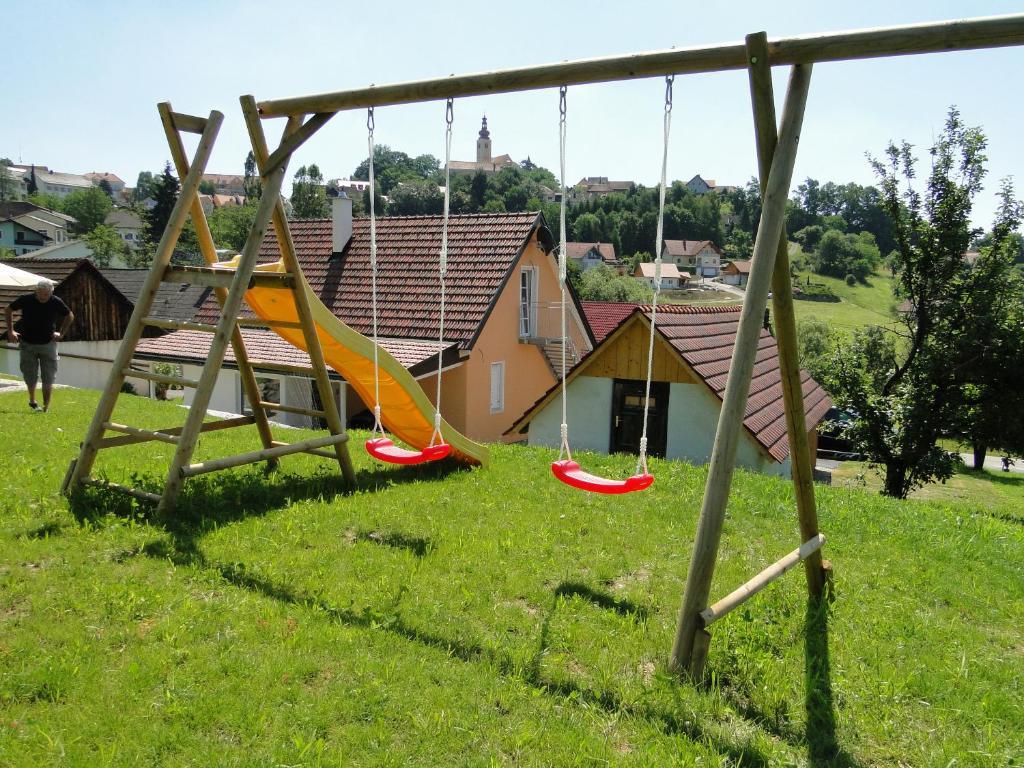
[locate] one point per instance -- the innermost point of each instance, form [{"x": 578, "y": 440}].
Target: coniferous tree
[
  {"x": 165, "y": 194},
  {"x": 252, "y": 184}
]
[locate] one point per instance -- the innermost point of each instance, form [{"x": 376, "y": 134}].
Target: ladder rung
[
  {"x": 160, "y": 378},
  {"x": 291, "y": 409},
  {"x": 141, "y": 495},
  {"x": 313, "y": 451},
  {"x": 267, "y": 365},
  {"x": 208, "y": 426},
  {"x": 218, "y": 277},
  {"x": 256, "y": 322},
  {"x": 188, "y": 123},
  {"x": 148, "y": 434},
  {"x": 178, "y": 325},
  {"x": 267, "y": 453}
]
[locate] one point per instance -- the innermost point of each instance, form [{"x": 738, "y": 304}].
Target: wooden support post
[
  {"x": 226, "y": 328},
  {"x": 135, "y": 327},
  {"x": 730, "y": 421},
  {"x": 763, "y": 101},
  {"x": 209, "y": 251},
  {"x": 279, "y": 449},
  {"x": 291, "y": 261},
  {"x": 748, "y": 589}
]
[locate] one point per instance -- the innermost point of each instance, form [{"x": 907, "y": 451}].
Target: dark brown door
[{"x": 628, "y": 417}]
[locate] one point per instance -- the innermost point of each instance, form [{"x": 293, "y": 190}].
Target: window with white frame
[
  {"x": 497, "y": 387},
  {"x": 527, "y": 302}
]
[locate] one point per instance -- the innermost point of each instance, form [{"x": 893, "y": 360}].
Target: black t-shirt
[{"x": 38, "y": 318}]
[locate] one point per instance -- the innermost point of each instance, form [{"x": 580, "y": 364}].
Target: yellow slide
[{"x": 405, "y": 410}]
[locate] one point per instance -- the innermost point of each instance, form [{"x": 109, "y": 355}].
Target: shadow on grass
[
  {"x": 1014, "y": 479},
  {"x": 622, "y": 607},
  {"x": 823, "y": 746},
  {"x": 470, "y": 652},
  {"x": 43, "y": 531},
  {"x": 417, "y": 545}
]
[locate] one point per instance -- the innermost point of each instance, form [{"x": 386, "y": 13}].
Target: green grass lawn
[
  {"x": 488, "y": 617},
  {"x": 858, "y": 305}
]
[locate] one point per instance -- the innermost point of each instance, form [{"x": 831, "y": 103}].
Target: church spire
[{"x": 484, "y": 133}]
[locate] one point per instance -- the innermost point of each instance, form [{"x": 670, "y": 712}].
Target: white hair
[{"x": 45, "y": 283}]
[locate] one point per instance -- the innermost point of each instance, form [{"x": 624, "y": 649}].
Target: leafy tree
[
  {"x": 991, "y": 344},
  {"x": 165, "y": 194},
  {"x": 309, "y": 195},
  {"x": 89, "y": 206},
  {"x": 207, "y": 188},
  {"x": 252, "y": 184},
  {"x": 144, "y": 185},
  {"x": 48, "y": 201},
  {"x": 840, "y": 255},
  {"x": 107, "y": 189},
  {"x": 587, "y": 229},
  {"x": 816, "y": 341},
  {"x": 905, "y": 397},
  {"x": 106, "y": 245},
  {"x": 230, "y": 225},
  {"x": 391, "y": 167},
  {"x": 415, "y": 198},
  {"x": 6, "y": 180},
  {"x": 478, "y": 191},
  {"x": 602, "y": 283}
]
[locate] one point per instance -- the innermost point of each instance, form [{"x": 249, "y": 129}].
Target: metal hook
[
  {"x": 369, "y": 119},
  {"x": 561, "y": 101},
  {"x": 449, "y": 112},
  {"x": 669, "y": 80}
]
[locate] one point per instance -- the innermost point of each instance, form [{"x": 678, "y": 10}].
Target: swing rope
[
  {"x": 563, "y": 451},
  {"x": 377, "y": 426},
  {"x": 442, "y": 264},
  {"x": 641, "y": 464}
]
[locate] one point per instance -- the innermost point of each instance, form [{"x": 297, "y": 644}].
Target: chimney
[{"x": 341, "y": 222}]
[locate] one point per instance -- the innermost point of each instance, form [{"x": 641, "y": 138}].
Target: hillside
[{"x": 489, "y": 617}]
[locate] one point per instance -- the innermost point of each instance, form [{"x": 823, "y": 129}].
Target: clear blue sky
[{"x": 83, "y": 94}]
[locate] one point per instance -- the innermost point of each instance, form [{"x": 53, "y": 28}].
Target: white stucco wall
[
  {"x": 74, "y": 369},
  {"x": 692, "y": 421},
  {"x": 589, "y": 417}
]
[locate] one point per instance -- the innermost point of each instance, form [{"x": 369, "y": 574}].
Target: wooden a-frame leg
[
  {"x": 219, "y": 342},
  {"x": 730, "y": 421},
  {"x": 209, "y": 252},
  {"x": 801, "y": 461},
  {"x": 189, "y": 188},
  {"x": 287, "y": 248}
]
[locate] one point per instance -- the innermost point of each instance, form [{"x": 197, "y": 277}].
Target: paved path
[{"x": 993, "y": 463}]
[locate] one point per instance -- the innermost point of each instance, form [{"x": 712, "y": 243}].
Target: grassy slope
[
  {"x": 480, "y": 618},
  {"x": 859, "y": 305}
]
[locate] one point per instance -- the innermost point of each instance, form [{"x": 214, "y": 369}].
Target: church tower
[{"x": 483, "y": 144}]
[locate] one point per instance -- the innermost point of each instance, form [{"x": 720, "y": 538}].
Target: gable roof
[
  {"x": 669, "y": 271},
  {"x": 703, "y": 338},
  {"x": 688, "y": 247},
  {"x": 482, "y": 250},
  {"x": 742, "y": 265},
  {"x": 124, "y": 218},
  {"x": 579, "y": 250},
  {"x": 172, "y": 302}
]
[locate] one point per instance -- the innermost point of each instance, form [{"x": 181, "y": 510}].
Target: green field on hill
[
  {"x": 478, "y": 618},
  {"x": 858, "y": 305}
]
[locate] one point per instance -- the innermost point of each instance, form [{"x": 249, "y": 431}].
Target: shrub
[{"x": 851, "y": 280}]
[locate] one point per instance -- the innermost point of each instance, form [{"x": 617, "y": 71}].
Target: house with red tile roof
[
  {"x": 692, "y": 355},
  {"x": 590, "y": 255},
  {"x": 502, "y": 326},
  {"x": 671, "y": 277},
  {"x": 697, "y": 257}
]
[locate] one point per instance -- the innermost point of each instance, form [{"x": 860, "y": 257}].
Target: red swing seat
[
  {"x": 385, "y": 450},
  {"x": 569, "y": 472}
]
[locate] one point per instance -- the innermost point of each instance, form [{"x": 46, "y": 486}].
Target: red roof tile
[{"x": 482, "y": 249}]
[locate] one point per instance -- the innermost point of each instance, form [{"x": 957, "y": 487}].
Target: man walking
[{"x": 37, "y": 334}]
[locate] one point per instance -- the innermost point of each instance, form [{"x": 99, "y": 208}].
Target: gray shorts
[{"x": 36, "y": 358}]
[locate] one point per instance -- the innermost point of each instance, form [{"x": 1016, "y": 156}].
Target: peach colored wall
[{"x": 527, "y": 373}]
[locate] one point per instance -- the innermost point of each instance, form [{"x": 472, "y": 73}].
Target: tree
[
  {"x": 106, "y": 245},
  {"x": 6, "y": 180},
  {"x": 391, "y": 167},
  {"x": 108, "y": 190},
  {"x": 32, "y": 188},
  {"x": 89, "y": 206},
  {"x": 48, "y": 201},
  {"x": 230, "y": 225},
  {"x": 252, "y": 184},
  {"x": 906, "y": 397},
  {"x": 165, "y": 194},
  {"x": 602, "y": 283},
  {"x": 816, "y": 341},
  {"x": 309, "y": 195},
  {"x": 415, "y": 198},
  {"x": 143, "y": 186},
  {"x": 587, "y": 229},
  {"x": 991, "y": 344},
  {"x": 207, "y": 188}
]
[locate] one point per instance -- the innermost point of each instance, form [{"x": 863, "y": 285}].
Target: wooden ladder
[{"x": 229, "y": 286}]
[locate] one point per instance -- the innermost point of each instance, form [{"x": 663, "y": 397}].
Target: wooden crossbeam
[
  {"x": 252, "y": 457},
  {"x": 217, "y": 277},
  {"x": 188, "y": 123},
  {"x": 208, "y": 426},
  {"x": 268, "y": 406},
  {"x": 295, "y": 140},
  {"x": 146, "y": 434},
  {"x": 161, "y": 378},
  {"x": 178, "y": 325}
]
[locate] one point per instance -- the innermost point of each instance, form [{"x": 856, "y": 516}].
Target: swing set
[{"x": 311, "y": 327}]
